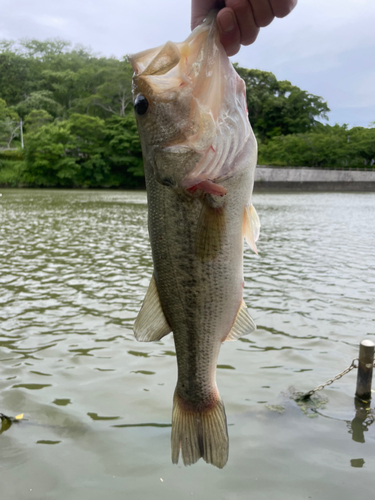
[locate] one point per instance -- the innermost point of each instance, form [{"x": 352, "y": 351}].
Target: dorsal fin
[
  {"x": 251, "y": 227},
  {"x": 151, "y": 323},
  {"x": 243, "y": 324}
]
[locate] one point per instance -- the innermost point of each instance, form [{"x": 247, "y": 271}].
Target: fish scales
[
  {"x": 189, "y": 104},
  {"x": 200, "y": 300}
]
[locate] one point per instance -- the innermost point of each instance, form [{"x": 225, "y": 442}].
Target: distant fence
[
  {"x": 315, "y": 179},
  {"x": 368, "y": 168}
]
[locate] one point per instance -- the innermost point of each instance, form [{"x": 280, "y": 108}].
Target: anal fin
[
  {"x": 243, "y": 324},
  {"x": 151, "y": 323}
]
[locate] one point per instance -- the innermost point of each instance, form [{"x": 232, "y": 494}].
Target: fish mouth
[
  {"x": 211, "y": 102},
  {"x": 176, "y": 65},
  {"x": 164, "y": 58}
]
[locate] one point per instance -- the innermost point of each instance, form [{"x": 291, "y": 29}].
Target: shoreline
[
  {"x": 275, "y": 179},
  {"x": 321, "y": 187},
  {"x": 313, "y": 179}
]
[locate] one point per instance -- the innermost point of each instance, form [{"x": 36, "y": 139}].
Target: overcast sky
[{"x": 326, "y": 47}]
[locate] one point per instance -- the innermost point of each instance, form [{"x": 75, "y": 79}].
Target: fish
[{"x": 199, "y": 154}]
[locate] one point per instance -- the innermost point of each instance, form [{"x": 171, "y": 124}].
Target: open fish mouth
[{"x": 198, "y": 102}]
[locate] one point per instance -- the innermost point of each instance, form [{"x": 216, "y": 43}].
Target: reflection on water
[
  {"x": 74, "y": 268},
  {"x": 364, "y": 417}
]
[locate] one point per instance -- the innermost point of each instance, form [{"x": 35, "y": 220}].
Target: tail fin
[{"x": 199, "y": 434}]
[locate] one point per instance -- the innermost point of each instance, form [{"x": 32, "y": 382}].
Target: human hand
[{"x": 239, "y": 21}]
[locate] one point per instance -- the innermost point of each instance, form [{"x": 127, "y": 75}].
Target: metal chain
[
  {"x": 307, "y": 395},
  {"x": 5, "y": 417}
]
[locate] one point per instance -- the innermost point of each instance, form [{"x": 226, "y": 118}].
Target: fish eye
[{"x": 141, "y": 105}]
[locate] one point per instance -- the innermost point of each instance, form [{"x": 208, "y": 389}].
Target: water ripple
[{"x": 75, "y": 267}]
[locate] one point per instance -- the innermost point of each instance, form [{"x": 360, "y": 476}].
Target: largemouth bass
[{"x": 200, "y": 156}]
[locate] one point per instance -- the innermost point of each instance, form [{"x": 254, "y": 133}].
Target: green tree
[
  {"x": 39, "y": 100},
  {"x": 328, "y": 146},
  {"x": 46, "y": 160},
  {"x": 63, "y": 85},
  {"x": 87, "y": 147},
  {"x": 9, "y": 125},
  {"x": 278, "y": 107},
  {"x": 84, "y": 151},
  {"x": 80, "y": 131},
  {"x": 36, "y": 119},
  {"x": 15, "y": 75},
  {"x": 124, "y": 151},
  {"x": 361, "y": 144},
  {"x": 112, "y": 92},
  {"x": 46, "y": 50}
]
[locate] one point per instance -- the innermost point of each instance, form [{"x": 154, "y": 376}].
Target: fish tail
[{"x": 199, "y": 434}]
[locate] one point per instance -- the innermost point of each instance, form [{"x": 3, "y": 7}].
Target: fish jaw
[
  {"x": 196, "y": 123},
  {"x": 209, "y": 188}
]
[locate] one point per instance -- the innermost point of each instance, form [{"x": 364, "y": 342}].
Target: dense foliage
[
  {"x": 79, "y": 128},
  {"x": 278, "y": 107},
  {"x": 325, "y": 146}
]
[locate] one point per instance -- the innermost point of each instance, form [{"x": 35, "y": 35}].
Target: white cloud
[{"x": 50, "y": 21}]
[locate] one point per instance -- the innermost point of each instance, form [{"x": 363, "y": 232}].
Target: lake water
[{"x": 74, "y": 268}]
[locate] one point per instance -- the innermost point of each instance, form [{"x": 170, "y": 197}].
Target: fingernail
[{"x": 227, "y": 22}]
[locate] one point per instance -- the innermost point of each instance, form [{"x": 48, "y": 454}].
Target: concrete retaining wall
[{"x": 314, "y": 179}]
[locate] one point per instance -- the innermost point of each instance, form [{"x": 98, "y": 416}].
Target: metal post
[
  {"x": 365, "y": 366},
  {"x": 21, "y": 129}
]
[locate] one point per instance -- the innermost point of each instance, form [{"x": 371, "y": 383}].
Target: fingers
[
  {"x": 230, "y": 35},
  {"x": 239, "y": 21},
  {"x": 282, "y": 8},
  {"x": 200, "y": 9},
  {"x": 263, "y": 13},
  {"x": 245, "y": 20}
]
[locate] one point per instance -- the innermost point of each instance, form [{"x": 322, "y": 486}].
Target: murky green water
[{"x": 74, "y": 267}]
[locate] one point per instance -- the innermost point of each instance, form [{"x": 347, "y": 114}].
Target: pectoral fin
[
  {"x": 251, "y": 227},
  {"x": 210, "y": 232},
  {"x": 151, "y": 323},
  {"x": 243, "y": 324}
]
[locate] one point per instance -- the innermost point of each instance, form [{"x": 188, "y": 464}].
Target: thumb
[{"x": 200, "y": 9}]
